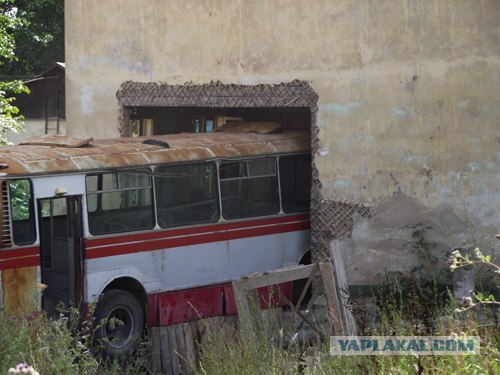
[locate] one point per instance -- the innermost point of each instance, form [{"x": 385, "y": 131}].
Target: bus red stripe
[
  {"x": 157, "y": 240},
  {"x": 199, "y": 229},
  {"x": 31, "y": 261},
  {"x": 18, "y": 252},
  {"x": 128, "y": 247}
]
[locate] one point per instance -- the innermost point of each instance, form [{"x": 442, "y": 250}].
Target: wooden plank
[
  {"x": 343, "y": 287},
  {"x": 306, "y": 286},
  {"x": 189, "y": 338},
  {"x": 174, "y": 358},
  {"x": 197, "y": 338},
  {"x": 166, "y": 354},
  {"x": 181, "y": 349},
  {"x": 247, "y": 302},
  {"x": 156, "y": 350},
  {"x": 278, "y": 276},
  {"x": 202, "y": 333},
  {"x": 332, "y": 297}
]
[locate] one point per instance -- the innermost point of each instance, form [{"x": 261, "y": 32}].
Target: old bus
[{"x": 152, "y": 230}]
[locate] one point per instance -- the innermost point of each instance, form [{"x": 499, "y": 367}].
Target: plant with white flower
[
  {"x": 24, "y": 369},
  {"x": 458, "y": 260}
]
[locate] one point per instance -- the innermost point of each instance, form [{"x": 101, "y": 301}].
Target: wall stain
[
  {"x": 400, "y": 112},
  {"x": 341, "y": 110}
]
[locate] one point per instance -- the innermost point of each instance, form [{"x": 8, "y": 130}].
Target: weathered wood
[
  {"x": 181, "y": 348},
  {"x": 178, "y": 346},
  {"x": 278, "y": 276},
  {"x": 250, "y": 322},
  {"x": 332, "y": 297},
  {"x": 189, "y": 338},
  {"x": 247, "y": 300},
  {"x": 200, "y": 331},
  {"x": 156, "y": 365},
  {"x": 166, "y": 353},
  {"x": 174, "y": 358},
  {"x": 343, "y": 287},
  {"x": 180, "y": 343},
  {"x": 306, "y": 286}
]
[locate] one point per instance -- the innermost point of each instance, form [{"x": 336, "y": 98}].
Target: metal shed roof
[{"x": 56, "y": 156}]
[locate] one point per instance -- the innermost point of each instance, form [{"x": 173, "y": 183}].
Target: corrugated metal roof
[{"x": 129, "y": 152}]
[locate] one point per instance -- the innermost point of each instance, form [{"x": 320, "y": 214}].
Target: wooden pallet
[{"x": 176, "y": 347}]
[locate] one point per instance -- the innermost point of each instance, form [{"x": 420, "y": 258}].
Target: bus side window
[
  {"x": 119, "y": 202},
  {"x": 21, "y": 206},
  {"x": 186, "y": 194},
  {"x": 295, "y": 182},
  {"x": 249, "y": 188}
]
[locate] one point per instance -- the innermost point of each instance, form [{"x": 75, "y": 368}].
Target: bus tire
[{"x": 119, "y": 323}]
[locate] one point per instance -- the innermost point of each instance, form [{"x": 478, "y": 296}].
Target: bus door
[{"x": 61, "y": 249}]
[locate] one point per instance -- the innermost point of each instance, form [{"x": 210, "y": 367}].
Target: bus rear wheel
[{"x": 119, "y": 321}]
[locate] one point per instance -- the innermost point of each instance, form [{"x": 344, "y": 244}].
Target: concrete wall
[
  {"x": 35, "y": 127},
  {"x": 408, "y": 110}
]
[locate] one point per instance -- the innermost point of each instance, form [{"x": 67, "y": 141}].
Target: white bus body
[{"x": 152, "y": 231}]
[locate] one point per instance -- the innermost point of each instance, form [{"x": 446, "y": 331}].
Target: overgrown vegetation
[
  {"x": 10, "y": 118},
  {"x": 39, "y": 37},
  {"x": 414, "y": 305},
  {"x": 61, "y": 346},
  {"x": 261, "y": 355},
  {"x": 405, "y": 308}
]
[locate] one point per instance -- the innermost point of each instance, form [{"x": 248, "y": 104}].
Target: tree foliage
[
  {"x": 10, "y": 119},
  {"x": 39, "y": 36}
]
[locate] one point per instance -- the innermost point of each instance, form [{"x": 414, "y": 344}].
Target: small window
[
  {"x": 295, "y": 181},
  {"x": 119, "y": 202},
  {"x": 53, "y": 207},
  {"x": 54, "y": 223},
  {"x": 21, "y": 205},
  {"x": 249, "y": 188},
  {"x": 186, "y": 194}
]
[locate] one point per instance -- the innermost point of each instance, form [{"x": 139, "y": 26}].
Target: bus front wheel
[{"x": 119, "y": 321}]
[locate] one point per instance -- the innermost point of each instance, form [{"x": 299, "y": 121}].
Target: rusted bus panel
[
  {"x": 19, "y": 290},
  {"x": 180, "y": 155},
  {"x": 242, "y": 149},
  {"x": 46, "y": 166},
  {"x": 287, "y": 146},
  {"x": 104, "y": 161},
  {"x": 130, "y": 152},
  {"x": 15, "y": 166},
  {"x": 58, "y": 140}
]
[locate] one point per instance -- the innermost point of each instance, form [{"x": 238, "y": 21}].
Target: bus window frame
[
  {"x": 154, "y": 172},
  {"x": 99, "y": 209},
  {"x": 247, "y": 177},
  {"x": 31, "y": 211},
  {"x": 215, "y": 172}
]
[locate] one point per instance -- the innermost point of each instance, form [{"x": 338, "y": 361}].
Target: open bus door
[{"x": 61, "y": 250}]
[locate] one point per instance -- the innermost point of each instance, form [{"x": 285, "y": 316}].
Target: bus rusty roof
[{"x": 58, "y": 154}]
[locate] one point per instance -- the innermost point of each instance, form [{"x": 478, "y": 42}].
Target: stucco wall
[
  {"x": 408, "y": 112},
  {"x": 35, "y": 127}
]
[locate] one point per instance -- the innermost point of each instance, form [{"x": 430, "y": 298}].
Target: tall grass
[
  {"x": 60, "y": 346},
  {"x": 426, "y": 314},
  {"x": 50, "y": 346}
]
